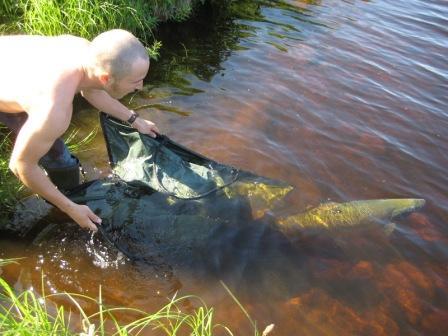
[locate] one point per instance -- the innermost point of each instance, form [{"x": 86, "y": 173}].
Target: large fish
[{"x": 338, "y": 215}]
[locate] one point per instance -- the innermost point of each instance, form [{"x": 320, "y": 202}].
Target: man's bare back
[
  {"x": 30, "y": 64},
  {"x": 40, "y": 76}
]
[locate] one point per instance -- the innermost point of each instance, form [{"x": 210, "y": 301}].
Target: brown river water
[{"x": 344, "y": 100}]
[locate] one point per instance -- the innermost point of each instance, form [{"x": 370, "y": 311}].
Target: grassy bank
[
  {"x": 88, "y": 18},
  {"x": 30, "y": 313}
]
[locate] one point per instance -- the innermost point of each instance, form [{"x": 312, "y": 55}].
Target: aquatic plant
[
  {"x": 30, "y": 313},
  {"x": 77, "y": 143}
]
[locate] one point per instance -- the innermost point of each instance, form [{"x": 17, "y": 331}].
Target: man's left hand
[{"x": 146, "y": 127}]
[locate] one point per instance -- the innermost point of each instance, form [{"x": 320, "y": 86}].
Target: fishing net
[{"x": 166, "y": 203}]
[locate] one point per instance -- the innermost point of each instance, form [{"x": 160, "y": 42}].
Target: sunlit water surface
[{"x": 344, "y": 100}]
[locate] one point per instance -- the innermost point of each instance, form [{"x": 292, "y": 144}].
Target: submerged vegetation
[{"x": 31, "y": 313}]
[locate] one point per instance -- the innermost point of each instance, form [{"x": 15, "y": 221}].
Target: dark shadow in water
[
  {"x": 201, "y": 45},
  {"x": 198, "y": 46}
]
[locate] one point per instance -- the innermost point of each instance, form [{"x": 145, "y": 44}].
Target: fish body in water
[{"x": 337, "y": 215}]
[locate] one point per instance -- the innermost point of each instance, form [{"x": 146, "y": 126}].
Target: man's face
[{"x": 130, "y": 82}]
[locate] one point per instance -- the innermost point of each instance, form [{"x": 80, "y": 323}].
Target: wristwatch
[{"x": 132, "y": 118}]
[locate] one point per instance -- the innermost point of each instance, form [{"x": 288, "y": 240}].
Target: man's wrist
[
  {"x": 133, "y": 117},
  {"x": 67, "y": 206}
]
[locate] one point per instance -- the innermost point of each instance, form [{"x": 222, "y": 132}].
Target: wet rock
[
  {"x": 363, "y": 270},
  {"x": 436, "y": 323},
  {"x": 351, "y": 284},
  {"x": 422, "y": 282},
  {"x": 441, "y": 280},
  {"x": 316, "y": 312},
  {"x": 407, "y": 288},
  {"x": 380, "y": 322},
  {"x": 330, "y": 270},
  {"x": 423, "y": 227},
  {"x": 316, "y": 309},
  {"x": 295, "y": 301},
  {"x": 234, "y": 316},
  {"x": 28, "y": 214}
]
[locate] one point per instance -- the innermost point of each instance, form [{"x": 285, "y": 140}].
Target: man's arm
[
  {"x": 104, "y": 102},
  {"x": 33, "y": 141}
]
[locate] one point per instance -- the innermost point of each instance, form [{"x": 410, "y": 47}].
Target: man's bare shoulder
[
  {"x": 54, "y": 49},
  {"x": 40, "y": 68},
  {"x": 72, "y": 40},
  {"x": 13, "y": 44}
]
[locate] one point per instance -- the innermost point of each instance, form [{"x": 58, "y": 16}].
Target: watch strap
[{"x": 132, "y": 118}]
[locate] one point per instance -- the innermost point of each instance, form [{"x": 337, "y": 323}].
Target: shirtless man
[{"x": 40, "y": 75}]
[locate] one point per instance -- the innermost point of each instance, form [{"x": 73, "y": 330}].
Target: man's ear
[{"x": 104, "y": 78}]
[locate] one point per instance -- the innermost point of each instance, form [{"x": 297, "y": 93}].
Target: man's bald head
[{"x": 115, "y": 51}]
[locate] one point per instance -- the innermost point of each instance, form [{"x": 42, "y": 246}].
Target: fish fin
[{"x": 389, "y": 228}]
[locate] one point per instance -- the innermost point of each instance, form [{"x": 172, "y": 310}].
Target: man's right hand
[
  {"x": 85, "y": 217},
  {"x": 46, "y": 122}
]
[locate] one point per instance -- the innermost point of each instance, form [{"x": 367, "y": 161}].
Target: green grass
[
  {"x": 85, "y": 18},
  {"x": 30, "y": 313},
  {"x": 88, "y": 18},
  {"x": 77, "y": 144},
  {"x": 10, "y": 185}
]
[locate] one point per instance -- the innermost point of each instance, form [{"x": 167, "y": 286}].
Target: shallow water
[{"x": 344, "y": 100}]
